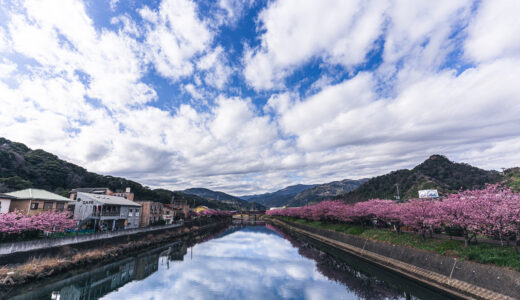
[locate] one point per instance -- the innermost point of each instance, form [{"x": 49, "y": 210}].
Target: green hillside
[
  {"x": 437, "y": 172},
  {"x": 22, "y": 167}
]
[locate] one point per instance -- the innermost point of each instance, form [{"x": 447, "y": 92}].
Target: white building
[
  {"x": 5, "y": 203},
  {"x": 106, "y": 212}
]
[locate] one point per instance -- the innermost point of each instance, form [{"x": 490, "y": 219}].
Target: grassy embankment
[{"x": 481, "y": 253}]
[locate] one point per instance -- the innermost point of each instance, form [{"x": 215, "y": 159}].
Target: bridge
[{"x": 252, "y": 215}]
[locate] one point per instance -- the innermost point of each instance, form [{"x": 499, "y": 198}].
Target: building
[
  {"x": 182, "y": 209},
  {"x": 151, "y": 212},
  {"x": 33, "y": 201},
  {"x": 200, "y": 208},
  {"x": 127, "y": 194},
  {"x": 168, "y": 213},
  {"x": 5, "y": 203},
  {"x": 105, "y": 212}
]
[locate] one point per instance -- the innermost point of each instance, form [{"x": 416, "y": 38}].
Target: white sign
[{"x": 428, "y": 194}]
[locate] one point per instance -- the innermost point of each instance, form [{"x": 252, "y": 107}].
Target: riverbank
[
  {"x": 70, "y": 258},
  {"x": 458, "y": 278},
  {"x": 483, "y": 253}
]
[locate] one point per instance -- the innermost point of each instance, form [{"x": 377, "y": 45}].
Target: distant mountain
[
  {"x": 324, "y": 191},
  {"x": 299, "y": 195},
  {"x": 280, "y": 197},
  {"x": 22, "y": 167},
  {"x": 224, "y": 198},
  {"x": 437, "y": 172}
]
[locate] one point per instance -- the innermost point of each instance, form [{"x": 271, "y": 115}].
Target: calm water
[{"x": 254, "y": 262}]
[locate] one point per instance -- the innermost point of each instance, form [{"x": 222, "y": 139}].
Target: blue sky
[{"x": 251, "y": 96}]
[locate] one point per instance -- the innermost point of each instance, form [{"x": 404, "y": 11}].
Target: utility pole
[
  {"x": 171, "y": 207},
  {"x": 397, "y": 197}
]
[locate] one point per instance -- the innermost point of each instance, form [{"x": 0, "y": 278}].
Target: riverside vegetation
[
  {"x": 482, "y": 252},
  {"x": 493, "y": 213}
]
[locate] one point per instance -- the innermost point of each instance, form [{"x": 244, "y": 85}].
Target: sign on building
[{"x": 428, "y": 194}]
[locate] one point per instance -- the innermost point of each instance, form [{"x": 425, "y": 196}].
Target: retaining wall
[
  {"x": 490, "y": 277},
  {"x": 20, "y": 252},
  {"x": 39, "y": 244}
]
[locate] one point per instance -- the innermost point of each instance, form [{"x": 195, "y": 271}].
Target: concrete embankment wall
[
  {"x": 19, "y": 252},
  {"x": 462, "y": 278}
]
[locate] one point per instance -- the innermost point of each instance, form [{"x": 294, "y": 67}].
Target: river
[{"x": 242, "y": 262}]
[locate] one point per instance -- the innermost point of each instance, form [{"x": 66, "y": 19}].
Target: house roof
[
  {"x": 37, "y": 194},
  {"x": 5, "y": 196},
  {"x": 90, "y": 190},
  {"x": 106, "y": 199}
]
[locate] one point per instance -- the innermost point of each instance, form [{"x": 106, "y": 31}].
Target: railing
[{"x": 106, "y": 214}]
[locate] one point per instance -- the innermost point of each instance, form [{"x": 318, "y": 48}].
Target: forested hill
[
  {"x": 437, "y": 172},
  {"x": 299, "y": 195},
  {"x": 223, "y": 197},
  {"x": 280, "y": 197},
  {"x": 22, "y": 167}
]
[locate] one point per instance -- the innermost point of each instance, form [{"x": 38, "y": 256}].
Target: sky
[{"x": 252, "y": 96}]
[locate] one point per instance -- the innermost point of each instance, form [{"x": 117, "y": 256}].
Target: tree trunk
[
  {"x": 466, "y": 239},
  {"x": 517, "y": 244}
]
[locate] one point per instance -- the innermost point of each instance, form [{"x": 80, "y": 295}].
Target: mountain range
[
  {"x": 298, "y": 195},
  {"x": 22, "y": 167},
  {"x": 224, "y": 198}
]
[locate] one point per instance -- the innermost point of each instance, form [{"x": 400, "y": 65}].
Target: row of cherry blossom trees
[
  {"x": 493, "y": 211},
  {"x": 17, "y": 222}
]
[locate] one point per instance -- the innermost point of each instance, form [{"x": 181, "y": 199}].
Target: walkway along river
[{"x": 242, "y": 262}]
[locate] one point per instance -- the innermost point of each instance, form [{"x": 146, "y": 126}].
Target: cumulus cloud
[
  {"x": 445, "y": 83},
  {"x": 175, "y": 35},
  {"x": 339, "y": 32},
  {"x": 494, "y": 31}
]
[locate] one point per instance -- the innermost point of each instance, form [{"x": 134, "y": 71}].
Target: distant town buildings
[
  {"x": 99, "y": 208},
  {"x": 200, "y": 208},
  {"x": 151, "y": 213},
  {"x": 181, "y": 209},
  {"x": 168, "y": 213}
]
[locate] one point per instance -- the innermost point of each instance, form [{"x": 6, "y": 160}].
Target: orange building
[{"x": 151, "y": 212}]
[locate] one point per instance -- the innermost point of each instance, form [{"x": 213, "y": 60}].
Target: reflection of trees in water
[
  {"x": 365, "y": 287},
  {"x": 97, "y": 283}
]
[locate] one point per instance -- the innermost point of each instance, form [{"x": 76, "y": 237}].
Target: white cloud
[
  {"x": 80, "y": 91},
  {"x": 175, "y": 36},
  {"x": 215, "y": 65},
  {"x": 232, "y": 10},
  {"x": 296, "y": 32},
  {"x": 7, "y": 68},
  {"x": 494, "y": 31}
]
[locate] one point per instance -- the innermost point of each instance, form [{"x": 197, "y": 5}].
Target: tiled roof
[
  {"x": 106, "y": 199},
  {"x": 37, "y": 194}
]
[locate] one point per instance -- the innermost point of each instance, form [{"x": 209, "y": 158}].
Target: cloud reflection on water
[{"x": 242, "y": 265}]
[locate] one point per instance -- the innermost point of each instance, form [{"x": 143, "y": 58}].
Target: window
[
  {"x": 34, "y": 205},
  {"x": 47, "y": 206},
  {"x": 137, "y": 212},
  {"x": 130, "y": 212},
  {"x": 60, "y": 206}
]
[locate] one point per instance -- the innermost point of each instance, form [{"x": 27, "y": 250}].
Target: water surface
[{"x": 251, "y": 262}]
